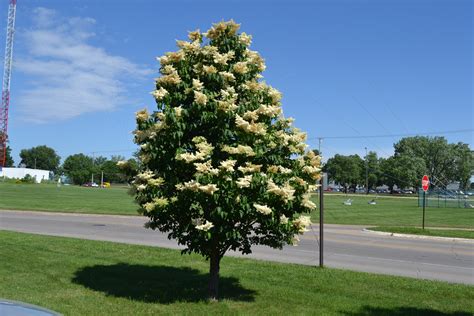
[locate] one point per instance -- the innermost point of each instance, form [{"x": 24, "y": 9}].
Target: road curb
[
  {"x": 76, "y": 214},
  {"x": 466, "y": 240}
]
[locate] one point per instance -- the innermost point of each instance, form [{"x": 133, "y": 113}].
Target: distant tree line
[
  {"x": 414, "y": 156},
  {"x": 79, "y": 168}
]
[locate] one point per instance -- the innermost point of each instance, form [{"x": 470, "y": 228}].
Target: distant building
[{"x": 20, "y": 173}]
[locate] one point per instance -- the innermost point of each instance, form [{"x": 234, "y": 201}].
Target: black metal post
[
  {"x": 321, "y": 223},
  {"x": 424, "y": 202}
]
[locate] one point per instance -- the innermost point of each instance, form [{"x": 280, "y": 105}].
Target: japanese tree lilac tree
[{"x": 220, "y": 167}]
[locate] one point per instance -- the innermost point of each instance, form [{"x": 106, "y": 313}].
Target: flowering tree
[{"x": 221, "y": 168}]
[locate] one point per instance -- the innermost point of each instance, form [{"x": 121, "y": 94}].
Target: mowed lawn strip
[
  {"x": 82, "y": 277},
  {"x": 456, "y": 233},
  {"x": 389, "y": 210},
  {"x": 72, "y": 199}
]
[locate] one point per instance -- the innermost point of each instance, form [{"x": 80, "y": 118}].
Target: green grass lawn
[
  {"x": 81, "y": 277},
  {"x": 389, "y": 211},
  {"x": 75, "y": 199},
  {"x": 458, "y": 233}
]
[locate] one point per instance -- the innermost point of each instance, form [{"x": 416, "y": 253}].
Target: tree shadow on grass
[
  {"x": 402, "y": 311},
  {"x": 157, "y": 284}
]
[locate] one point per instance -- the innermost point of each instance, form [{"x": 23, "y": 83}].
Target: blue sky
[{"x": 345, "y": 68}]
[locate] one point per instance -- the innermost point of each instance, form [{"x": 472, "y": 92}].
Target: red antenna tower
[{"x": 7, "y": 74}]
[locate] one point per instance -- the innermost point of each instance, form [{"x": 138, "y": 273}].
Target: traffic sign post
[{"x": 425, "y": 184}]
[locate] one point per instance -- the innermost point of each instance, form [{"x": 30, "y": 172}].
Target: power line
[
  {"x": 111, "y": 151},
  {"x": 371, "y": 84},
  {"x": 372, "y": 116},
  {"x": 356, "y": 131},
  {"x": 459, "y": 131}
]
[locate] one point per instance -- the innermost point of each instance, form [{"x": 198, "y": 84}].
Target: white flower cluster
[
  {"x": 200, "y": 98},
  {"x": 301, "y": 223},
  {"x": 254, "y": 58},
  {"x": 222, "y": 59},
  {"x": 157, "y": 202},
  {"x": 311, "y": 163},
  {"x": 241, "y": 68},
  {"x": 142, "y": 115},
  {"x": 227, "y": 76},
  {"x": 196, "y": 186},
  {"x": 264, "y": 209},
  {"x": 146, "y": 179},
  {"x": 159, "y": 94},
  {"x": 209, "y": 70},
  {"x": 171, "y": 78},
  {"x": 244, "y": 182},
  {"x": 197, "y": 85},
  {"x": 228, "y": 99},
  {"x": 228, "y": 165},
  {"x": 249, "y": 167},
  {"x": 204, "y": 150},
  {"x": 171, "y": 57},
  {"x": 239, "y": 150},
  {"x": 189, "y": 47},
  {"x": 286, "y": 192},
  {"x": 245, "y": 39},
  {"x": 269, "y": 110},
  {"x": 178, "y": 111},
  {"x": 205, "y": 226},
  {"x": 307, "y": 202},
  {"x": 205, "y": 167},
  {"x": 221, "y": 28},
  {"x": 250, "y": 127}
]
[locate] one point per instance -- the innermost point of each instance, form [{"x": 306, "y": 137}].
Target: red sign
[{"x": 425, "y": 183}]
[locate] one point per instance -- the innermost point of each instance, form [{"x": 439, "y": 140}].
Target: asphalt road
[{"x": 347, "y": 247}]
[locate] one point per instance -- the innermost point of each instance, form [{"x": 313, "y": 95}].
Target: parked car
[{"x": 90, "y": 184}]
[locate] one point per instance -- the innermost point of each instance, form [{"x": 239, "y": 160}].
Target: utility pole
[
  {"x": 321, "y": 223},
  {"x": 93, "y": 165},
  {"x": 321, "y": 213},
  {"x": 320, "y": 139},
  {"x": 366, "y": 172}
]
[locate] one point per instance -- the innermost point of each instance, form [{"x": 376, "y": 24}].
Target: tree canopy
[
  {"x": 414, "y": 156},
  {"x": 40, "y": 157},
  {"x": 221, "y": 168},
  {"x": 346, "y": 170},
  {"x": 79, "y": 168},
  {"x": 444, "y": 162},
  {"x": 9, "y": 159}
]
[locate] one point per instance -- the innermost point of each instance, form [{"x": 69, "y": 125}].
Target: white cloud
[{"x": 67, "y": 75}]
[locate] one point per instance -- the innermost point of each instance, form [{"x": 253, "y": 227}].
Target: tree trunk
[{"x": 214, "y": 276}]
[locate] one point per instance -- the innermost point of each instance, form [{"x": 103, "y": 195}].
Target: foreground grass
[
  {"x": 426, "y": 232},
  {"x": 389, "y": 211},
  {"x": 74, "y": 199},
  {"x": 80, "y": 277}
]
